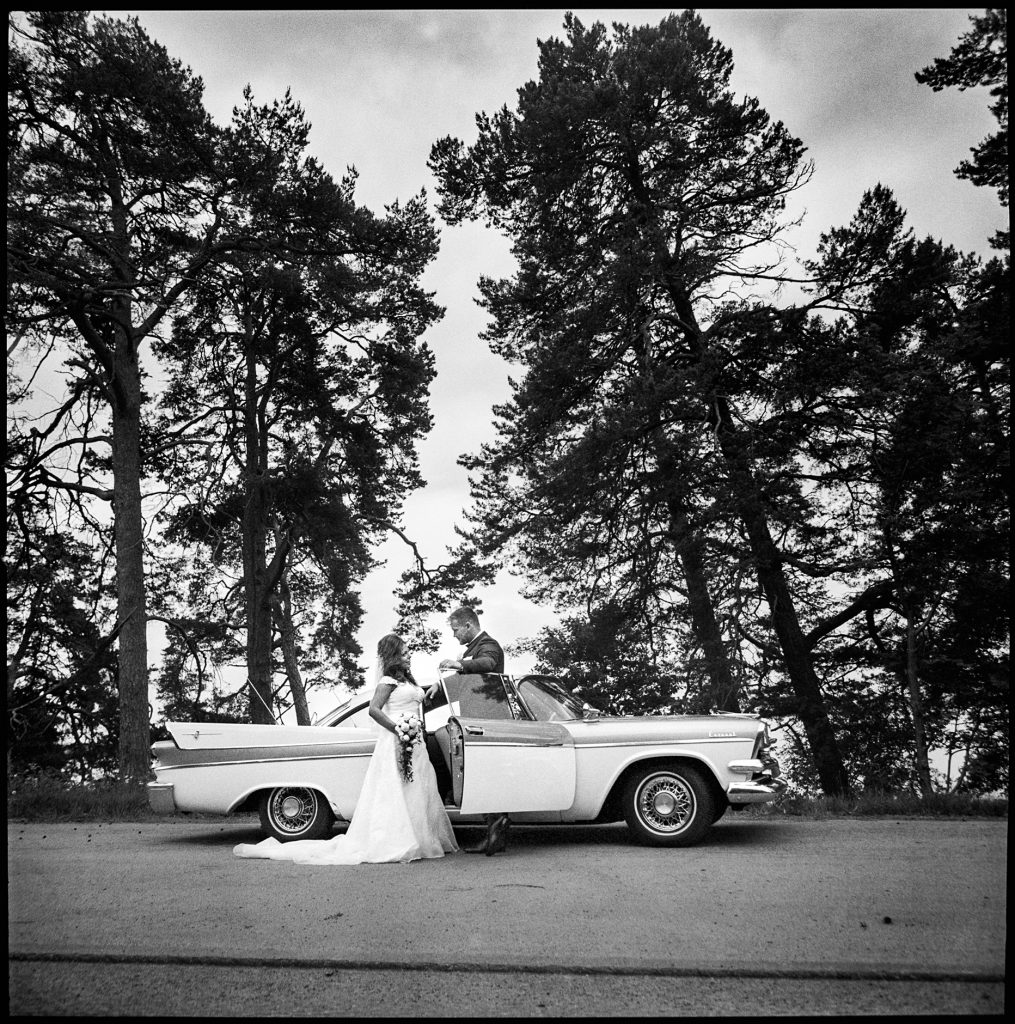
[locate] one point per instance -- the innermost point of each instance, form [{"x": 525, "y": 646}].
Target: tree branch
[
  {"x": 49, "y": 480},
  {"x": 871, "y": 599}
]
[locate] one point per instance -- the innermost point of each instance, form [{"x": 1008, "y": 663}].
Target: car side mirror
[{"x": 589, "y": 713}]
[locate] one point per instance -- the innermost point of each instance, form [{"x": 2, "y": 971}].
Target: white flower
[{"x": 407, "y": 732}]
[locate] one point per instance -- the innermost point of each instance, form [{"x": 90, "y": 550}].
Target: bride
[{"x": 394, "y": 819}]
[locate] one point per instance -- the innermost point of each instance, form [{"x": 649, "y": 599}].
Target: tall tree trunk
[
  {"x": 810, "y": 704},
  {"x": 723, "y": 690},
  {"x": 258, "y": 608},
  {"x": 910, "y": 676},
  {"x": 796, "y": 652},
  {"x": 256, "y": 588},
  {"x": 131, "y": 610},
  {"x": 916, "y": 710},
  {"x": 282, "y": 607}
]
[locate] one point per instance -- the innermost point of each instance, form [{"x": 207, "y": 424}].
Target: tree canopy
[
  {"x": 744, "y": 485},
  {"x": 304, "y": 377},
  {"x": 677, "y": 442},
  {"x": 133, "y": 218}
]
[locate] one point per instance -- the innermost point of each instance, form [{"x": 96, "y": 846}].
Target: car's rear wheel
[
  {"x": 668, "y": 805},
  {"x": 295, "y": 812}
]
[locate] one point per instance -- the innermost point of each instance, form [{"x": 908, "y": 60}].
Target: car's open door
[
  {"x": 502, "y": 766},
  {"x": 499, "y": 759}
]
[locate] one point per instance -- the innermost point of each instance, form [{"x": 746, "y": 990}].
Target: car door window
[{"x": 479, "y": 696}]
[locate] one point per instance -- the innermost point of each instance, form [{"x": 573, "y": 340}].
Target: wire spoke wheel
[
  {"x": 669, "y": 805},
  {"x": 295, "y": 812},
  {"x": 666, "y": 803}
]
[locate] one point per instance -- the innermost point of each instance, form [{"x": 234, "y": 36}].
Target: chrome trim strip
[
  {"x": 474, "y": 741},
  {"x": 276, "y": 746},
  {"x": 659, "y": 742},
  {"x": 259, "y": 760}
]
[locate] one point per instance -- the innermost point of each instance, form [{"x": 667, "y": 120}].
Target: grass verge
[
  {"x": 885, "y": 805},
  {"x": 48, "y": 797}
]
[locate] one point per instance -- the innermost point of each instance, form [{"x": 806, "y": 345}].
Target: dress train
[{"x": 394, "y": 820}]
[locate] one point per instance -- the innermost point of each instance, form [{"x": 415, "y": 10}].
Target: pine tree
[
  {"x": 636, "y": 190},
  {"x": 114, "y": 211},
  {"x": 304, "y": 377}
]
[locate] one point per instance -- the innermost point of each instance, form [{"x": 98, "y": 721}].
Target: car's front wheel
[
  {"x": 722, "y": 805},
  {"x": 668, "y": 805},
  {"x": 294, "y": 812}
]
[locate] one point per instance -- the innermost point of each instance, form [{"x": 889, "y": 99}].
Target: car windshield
[
  {"x": 332, "y": 717},
  {"x": 548, "y": 700}
]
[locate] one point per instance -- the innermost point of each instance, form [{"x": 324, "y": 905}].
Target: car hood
[{"x": 668, "y": 727}]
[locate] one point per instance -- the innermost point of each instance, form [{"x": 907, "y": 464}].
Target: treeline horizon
[{"x": 735, "y": 502}]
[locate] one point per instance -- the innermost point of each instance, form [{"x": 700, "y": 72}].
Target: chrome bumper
[
  {"x": 754, "y": 792},
  {"x": 762, "y": 785},
  {"x": 160, "y": 797}
]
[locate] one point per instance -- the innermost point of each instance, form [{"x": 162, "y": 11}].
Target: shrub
[
  {"x": 882, "y": 804},
  {"x": 50, "y": 796}
]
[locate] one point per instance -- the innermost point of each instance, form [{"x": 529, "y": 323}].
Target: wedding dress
[{"x": 393, "y": 820}]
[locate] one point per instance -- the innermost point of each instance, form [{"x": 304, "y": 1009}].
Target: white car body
[{"x": 522, "y": 747}]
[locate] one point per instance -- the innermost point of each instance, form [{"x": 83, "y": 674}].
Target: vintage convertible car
[{"x": 525, "y": 746}]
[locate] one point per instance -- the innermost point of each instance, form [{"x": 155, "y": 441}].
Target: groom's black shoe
[
  {"x": 480, "y": 847},
  {"x": 497, "y": 836}
]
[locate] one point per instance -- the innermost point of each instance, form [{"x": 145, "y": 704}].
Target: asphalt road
[{"x": 766, "y": 917}]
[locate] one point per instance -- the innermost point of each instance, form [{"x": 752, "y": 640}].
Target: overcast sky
[{"x": 379, "y": 87}]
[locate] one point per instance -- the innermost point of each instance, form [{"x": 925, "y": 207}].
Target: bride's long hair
[{"x": 393, "y": 658}]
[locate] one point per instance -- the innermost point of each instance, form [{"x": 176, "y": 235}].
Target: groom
[{"x": 482, "y": 654}]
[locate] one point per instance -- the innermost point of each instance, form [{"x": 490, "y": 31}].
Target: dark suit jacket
[{"x": 484, "y": 654}]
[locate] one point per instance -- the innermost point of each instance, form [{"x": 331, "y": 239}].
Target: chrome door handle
[{"x": 474, "y": 730}]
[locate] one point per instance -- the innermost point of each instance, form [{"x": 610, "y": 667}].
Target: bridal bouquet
[{"x": 408, "y": 732}]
